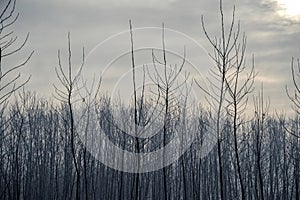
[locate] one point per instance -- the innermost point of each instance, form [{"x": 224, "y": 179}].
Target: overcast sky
[{"x": 273, "y": 35}]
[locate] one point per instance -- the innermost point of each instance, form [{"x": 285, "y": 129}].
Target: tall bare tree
[
  {"x": 10, "y": 81},
  {"x": 67, "y": 96},
  {"x": 294, "y": 97},
  {"x": 261, "y": 107},
  {"x": 228, "y": 57},
  {"x": 238, "y": 89},
  {"x": 10, "y": 75}
]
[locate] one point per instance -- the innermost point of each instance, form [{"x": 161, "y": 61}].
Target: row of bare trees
[{"x": 37, "y": 159}]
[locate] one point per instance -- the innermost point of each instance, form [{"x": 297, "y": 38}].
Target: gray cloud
[{"x": 273, "y": 39}]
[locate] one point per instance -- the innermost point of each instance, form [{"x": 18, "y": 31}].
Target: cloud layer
[{"x": 272, "y": 38}]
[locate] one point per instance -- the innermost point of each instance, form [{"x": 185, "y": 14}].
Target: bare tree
[
  {"x": 228, "y": 57},
  {"x": 295, "y": 70},
  {"x": 9, "y": 75},
  {"x": 261, "y": 107},
  {"x": 168, "y": 86},
  {"x": 10, "y": 81},
  {"x": 136, "y": 122},
  {"x": 238, "y": 89},
  {"x": 294, "y": 130},
  {"x": 67, "y": 96}
]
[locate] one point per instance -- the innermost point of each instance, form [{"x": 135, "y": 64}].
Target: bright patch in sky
[{"x": 290, "y": 8}]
